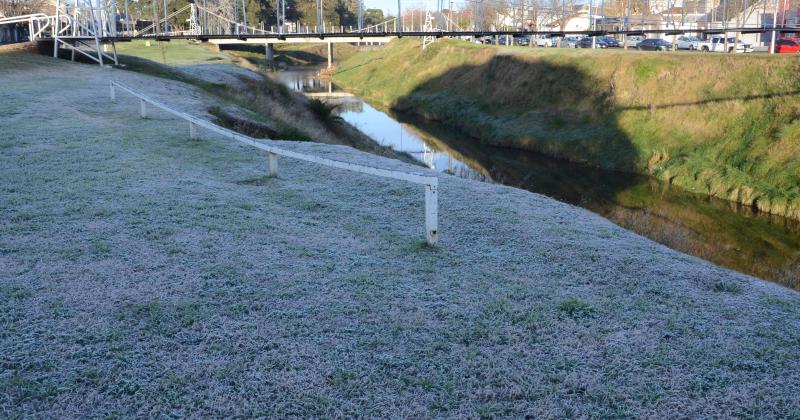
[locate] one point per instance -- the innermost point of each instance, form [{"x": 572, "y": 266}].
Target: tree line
[{"x": 262, "y": 12}]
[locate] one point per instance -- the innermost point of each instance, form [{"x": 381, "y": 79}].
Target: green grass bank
[
  {"x": 247, "y": 100},
  {"x": 723, "y": 125},
  {"x": 145, "y": 274}
]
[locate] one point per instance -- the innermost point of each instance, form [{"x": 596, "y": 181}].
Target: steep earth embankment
[
  {"x": 247, "y": 100},
  {"x": 725, "y": 125}
]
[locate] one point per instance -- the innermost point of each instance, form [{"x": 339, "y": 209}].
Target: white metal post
[
  {"x": 431, "y": 184},
  {"x": 273, "y": 164},
  {"x": 431, "y": 212},
  {"x": 113, "y": 92},
  {"x": 56, "y": 28},
  {"x": 591, "y": 24},
  {"x": 192, "y": 131}
]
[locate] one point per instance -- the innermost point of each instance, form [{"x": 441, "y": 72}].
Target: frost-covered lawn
[{"x": 145, "y": 274}]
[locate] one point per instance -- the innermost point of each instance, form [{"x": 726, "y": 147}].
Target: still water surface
[{"x": 722, "y": 232}]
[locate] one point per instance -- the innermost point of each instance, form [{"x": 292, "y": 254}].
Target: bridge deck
[{"x": 386, "y": 35}]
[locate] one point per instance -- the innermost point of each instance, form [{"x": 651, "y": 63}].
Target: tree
[
  {"x": 24, "y": 7},
  {"x": 373, "y": 17}
]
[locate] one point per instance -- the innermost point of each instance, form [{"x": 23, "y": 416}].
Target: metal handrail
[{"x": 431, "y": 183}]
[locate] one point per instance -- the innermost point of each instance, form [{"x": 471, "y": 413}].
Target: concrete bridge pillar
[
  {"x": 269, "y": 50},
  {"x": 330, "y": 54}
]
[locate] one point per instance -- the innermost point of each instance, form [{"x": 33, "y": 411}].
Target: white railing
[
  {"x": 431, "y": 183},
  {"x": 385, "y": 25},
  {"x": 37, "y": 23},
  {"x": 22, "y": 18}
]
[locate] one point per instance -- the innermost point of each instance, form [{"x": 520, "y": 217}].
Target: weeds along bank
[
  {"x": 720, "y": 124},
  {"x": 247, "y": 101}
]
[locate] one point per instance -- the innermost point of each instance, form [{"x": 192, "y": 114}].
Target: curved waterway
[{"x": 725, "y": 233}]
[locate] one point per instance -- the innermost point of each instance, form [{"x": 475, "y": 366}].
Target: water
[{"x": 720, "y": 231}]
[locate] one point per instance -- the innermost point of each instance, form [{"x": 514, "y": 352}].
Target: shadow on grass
[
  {"x": 566, "y": 113},
  {"x": 732, "y": 235},
  {"x": 712, "y": 101}
]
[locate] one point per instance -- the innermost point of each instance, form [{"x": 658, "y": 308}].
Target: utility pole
[
  {"x": 319, "y": 16},
  {"x": 774, "y": 26},
  {"x": 360, "y": 15},
  {"x": 642, "y": 13},
  {"x": 155, "y": 17},
  {"x": 627, "y": 23},
  {"x": 450, "y": 19},
  {"x": 602, "y": 12},
  {"x": 725, "y": 24},
  {"x": 126, "y": 27},
  {"x": 244, "y": 15},
  {"x": 236, "y": 17},
  {"x": 166, "y": 24},
  {"x": 278, "y": 16},
  {"x": 591, "y": 24},
  {"x": 397, "y": 27}
]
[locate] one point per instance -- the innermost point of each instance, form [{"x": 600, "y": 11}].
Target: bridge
[{"x": 91, "y": 28}]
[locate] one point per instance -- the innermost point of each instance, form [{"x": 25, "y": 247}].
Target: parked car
[
  {"x": 544, "y": 41},
  {"x": 523, "y": 40},
  {"x": 599, "y": 42},
  {"x": 688, "y": 43},
  {"x": 717, "y": 44},
  {"x": 634, "y": 40},
  {"x": 585, "y": 42},
  {"x": 506, "y": 40},
  {"x": 654, "y": 44},
  {"x": 610, "y": 42},
  {"x": 570, "y": 42},
  {"x": 787, "y": 46}
]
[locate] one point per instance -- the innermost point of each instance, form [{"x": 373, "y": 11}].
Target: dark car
[
  {"x": 610, "y": 42},
  {"x": 599, "y": 42},
  {"x": 523, "y": 40},
  {"x": 587, "y": 43},
  {"x": 654, "y": 44}
]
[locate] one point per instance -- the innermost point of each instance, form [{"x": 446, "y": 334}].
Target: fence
[{"x": 431, "y": 183}]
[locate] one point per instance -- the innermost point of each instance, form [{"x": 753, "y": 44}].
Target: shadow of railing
[{"x": 708, "y": 101}]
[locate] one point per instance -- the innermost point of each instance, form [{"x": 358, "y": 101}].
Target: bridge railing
[
  {"x": 431, "y": 183},
  {"x": 38, "y": 24}
]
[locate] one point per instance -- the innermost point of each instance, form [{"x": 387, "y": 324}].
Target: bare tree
[{"x": 24, "y": 7}]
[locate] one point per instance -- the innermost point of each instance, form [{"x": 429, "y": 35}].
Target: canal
[{"x": 725, "y": 233}]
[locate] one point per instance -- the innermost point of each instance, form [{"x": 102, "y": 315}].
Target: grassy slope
[
  {"x": 294, "y": 54},
  {"x": 709, "y": 123},
  {"x": 263, "y": 100},
  {"x": 145, "y": 273},
  {"x": 175, "y": 53}
]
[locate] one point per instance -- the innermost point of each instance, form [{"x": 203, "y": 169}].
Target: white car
[
  {"x": 544, "y": 41},
  {"x": 570, "y": 42},
  {"x": 717, "y": 44},
  {"x": 634, "y": 40},
  {"x": 688, "y": 43}
]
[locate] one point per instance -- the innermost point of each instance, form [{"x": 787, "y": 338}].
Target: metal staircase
[{"x": 83, "y": 26}]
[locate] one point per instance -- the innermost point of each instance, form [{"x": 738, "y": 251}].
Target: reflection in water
[
  {"x": 720, "y": 231},
  {"x": 376, "y": 124}
]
